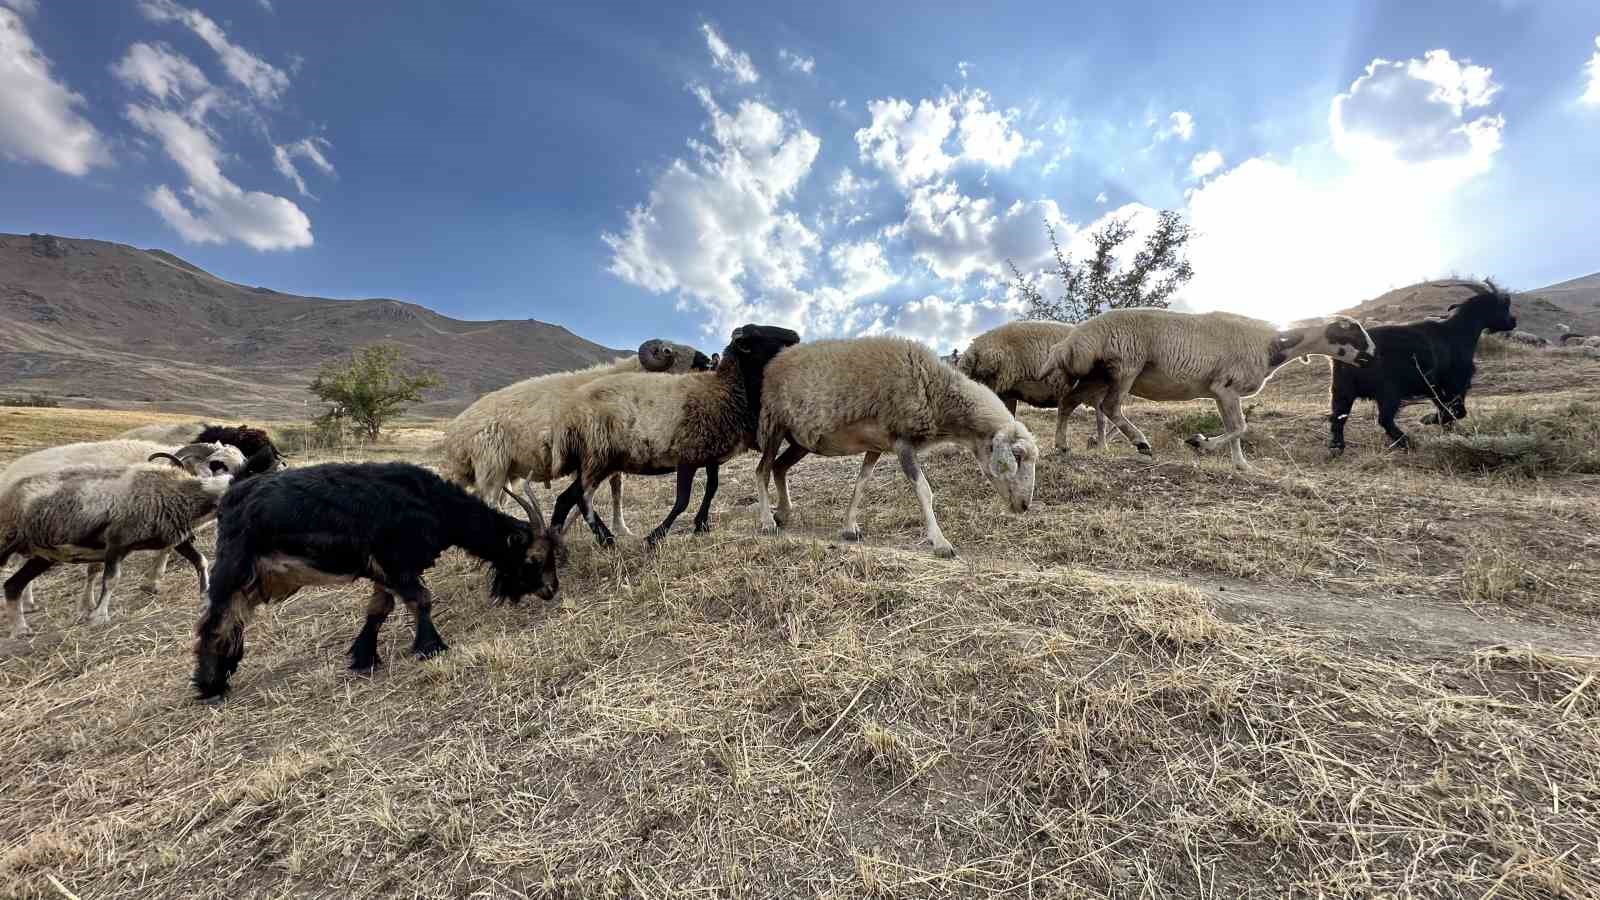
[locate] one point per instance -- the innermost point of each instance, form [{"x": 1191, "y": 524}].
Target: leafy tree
[
  {"x": 369, "y": 390},
  {"x": 1093, "y": 285}
]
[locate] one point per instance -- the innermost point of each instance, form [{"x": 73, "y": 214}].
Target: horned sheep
[
  {"x": 1009, "y": 359},
  {"x": 1159, "y": 354},
  {"x": 505, "y": 434},
  {"x": 337, "y": 522},
  {"x": 644, "y": 425},
  {"x": 880, "y": 395},
  {"x": 99, "y": 514}
]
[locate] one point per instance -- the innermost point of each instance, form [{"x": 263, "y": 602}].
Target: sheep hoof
[
  {"x": 944, "y": 551},
  {"x": 853, "y": 534},
  {"x": 769, "y": 528},
  {"x": 357, "y": 664},
  {"x": 97, "y": 618},
  {"x": 154, "y": 589},
  {"x": 21, "y": 631},
  {"x": 422, "y": 653},
  {"x": 1092, "y": 443},
  {"x": 781, "y": 516},
  {"x": 1335, "y": 451},
  {"x": 1145, "y": 450},
  {"x": 702, "y": 528},
  {"x": 30, "y": 606}
]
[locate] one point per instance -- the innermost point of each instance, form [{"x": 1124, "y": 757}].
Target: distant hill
[
  {"x": 108, "y": 325},
  {"x": 1575, "y": 303}
]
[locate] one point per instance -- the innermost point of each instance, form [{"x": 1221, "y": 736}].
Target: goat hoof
[
  {"x": 781, "y": 516},
  {"x": 1144, "y": 449},
  {"x": 770, "y": 529},
  {"x": 853, "y": 534},
  {"x": 1092, "y": 444},
  {"x": 702, "y": 528},
  {"x": 358, "y": 664},
  {"x": 422, "y": 653},
  {"x": 944, "y": 551},
  {"x": 1335, "y": 451}
]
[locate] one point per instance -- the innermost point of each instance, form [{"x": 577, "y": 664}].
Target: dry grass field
[{"x": 1374, "y": 677}]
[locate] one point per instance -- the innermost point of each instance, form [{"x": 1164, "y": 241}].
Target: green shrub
[
  {"x": 1552, "y": 442},
  {"x": 40, "y": 401}
]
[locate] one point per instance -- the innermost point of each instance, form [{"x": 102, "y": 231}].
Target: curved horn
[
  {"x": 529, "y": 506},
  {"x": 655, "y": 355},
  {"x": 164, "y": 455}
]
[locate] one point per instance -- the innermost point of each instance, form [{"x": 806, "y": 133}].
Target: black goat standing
[
  {"x": 334, "y": 523},
  {"x": 1429, "y": 360},
  {"x": 254, "y": 443}
]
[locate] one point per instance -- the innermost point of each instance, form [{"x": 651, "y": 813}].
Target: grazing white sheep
[
  {"x": 98, "y": 514},
  {"x": 1526, "y": 337},
  {"x": 1158, "y": 354},
  {"x": 1009, "y": 359},
  {"x": 880, "y": 395},
  {"x": 505, "y": 434}
]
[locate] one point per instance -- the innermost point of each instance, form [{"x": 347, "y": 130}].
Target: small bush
[
  {"x": 1561, "y": 441},
  {"x": 39, "y": 401},
  {"x": 1208, "y": 423},
  {"x": 319, "y": 435},
  {"x": 1495, "y": 346}
]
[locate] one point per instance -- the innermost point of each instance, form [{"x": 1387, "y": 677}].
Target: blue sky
[{"x": 840, "y": 167}]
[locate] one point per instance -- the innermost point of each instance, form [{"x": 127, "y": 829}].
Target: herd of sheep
[{"x": 668, "y": 410}]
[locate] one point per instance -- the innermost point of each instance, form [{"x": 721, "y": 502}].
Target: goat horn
[{"x": 529, "y": 506}]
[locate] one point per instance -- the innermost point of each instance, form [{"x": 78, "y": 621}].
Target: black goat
[
  {"x": 1429, "y": 360},
  {"x": 254, "y": 443},
  {"x": 334, "y": 523}
]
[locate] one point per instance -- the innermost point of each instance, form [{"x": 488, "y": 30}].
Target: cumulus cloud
[
  {"x": 40, "y": 120},
  {"x": 1204, "y": 164},
  {"x": 909, "y": 142},
  {"x": 716, "y": 229},
  {"x": 1101, "y": 198},
  {"x": 943, "y": 324},
  {"x": 957, "y": 236},
  {"x": 309, "y": 149},
  {"x": 1419, "y": 111},
  {"x": 805, "y": 64},
  {"x": 735, "y": 62},
  {"x": 1591, "y": 93},
  {"x": 965, "y": 68},
  {"x": 160, "y": 71},
  {"x": 1180, "y": 125},
  {"x": 23, "y": 7},
  {"x": 263, "y": 80}
]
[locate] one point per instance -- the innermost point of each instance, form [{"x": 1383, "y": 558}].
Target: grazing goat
[
  {"x": 334, "y": 523},
  {"x": 879, "y": 395},
  {"x": 250, "y": 441},
  {"x": 505, "y": 434},
  {"x": 1009, "y": 360},
  {"x": 1427, "y": 360},
  {"x": 1158, "y": 354},
  {"x": 643, "y": 425},
  {"x": 99, "y": 514}
]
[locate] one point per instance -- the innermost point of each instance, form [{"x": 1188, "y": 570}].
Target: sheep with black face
[{"x": 335, "y": 523}]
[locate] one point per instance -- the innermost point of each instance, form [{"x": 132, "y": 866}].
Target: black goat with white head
[
  {"x": 1429, "y": 360},
  {"x": 334, "y": 523}
]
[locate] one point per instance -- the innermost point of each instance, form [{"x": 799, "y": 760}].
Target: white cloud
[
  {"x": 851, "y": 189},
  {"x": 1101, "y": 198},
  {"x": 1180, "y": 125},
  {"x": 806, "y": 64},
  {"x": 23, "y": 7},
  {"x": 263, "y": 80},
  {"x": 1416, "y": 112},
  {"x": 908, "y": 142},
  {"x": 310, "y": 149},
  {"x": 39, "y": 118},
  {"x": 1055, "y": 160},
  {"x": 1591, "y": 94},
  {"x": 957, "y": 236},
  {"x": 714, "y": 229},
  {"x": 218, "y": 210},
  {"x": 735, "y": 62},
  {"x": 1204, "y": 164},
  {"x": 160, "y": 71},
  {"x": 965, "y": 68},
  {"x": 944, "y": 324},
  {"x": 265, "y": 4}
]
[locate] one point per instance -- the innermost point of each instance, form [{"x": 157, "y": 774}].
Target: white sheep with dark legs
[
  {"x": 880, "y": 395},
  {"x": 505, "y": 435},
  {"x": 198, "y": 459},
  {"x": 644, "y": 425},
  {"x": 99, "y": 514},
  {"x": 1009, "y": 360},
  {"x": 1159, "y": 354}
]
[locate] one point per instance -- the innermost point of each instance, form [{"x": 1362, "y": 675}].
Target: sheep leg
[
  {"x": 18, "y": 581},
  {"x": 364, "y": 650},
  {"x": 618, "y": 526},
  {"x": 919, "y": 482},
  {"x": 680, "y": 502},
  {"x": 196, "y": 558},
  {"x": 852, "y": 531},
  {"x": 702, "y": 519},
  {"x": 91, "y": 577},
  {"x": 1011, "y": 405},
  {"x": 1388, "y": 408},
  {"x": 780, "y": 474},
  {"x": 1112, "y": 407},
  {"x": 158, "y": 569},
  {"x": 101, "y": 614},
  {"x": 419, "y": 600},
  {"x": 577, "y": 495},
  {"x": 1338, "y": 416},
  {"x": 769, "y": 450},
  {"x": 1233, "y": 421},
  {"x": 27, "y": 599},
  {"x": 1092, "y": 393}
]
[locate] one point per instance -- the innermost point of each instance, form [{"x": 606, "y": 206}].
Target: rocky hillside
[
  {"x": 1575, "y": 303},
  {"x": 108, "y": 325}
]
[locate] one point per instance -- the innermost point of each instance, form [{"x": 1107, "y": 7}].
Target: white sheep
[
  {"x": 505, "y": 434},
  {"x": 1158, "y": 354},
  {"x": 198, "y": 459},
  {"x": 1526, "y": 337},
  {"x": 879, "y": 395},
  {"x": 1009, "y": 359},
  {"x": 98, "y": 514}
]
